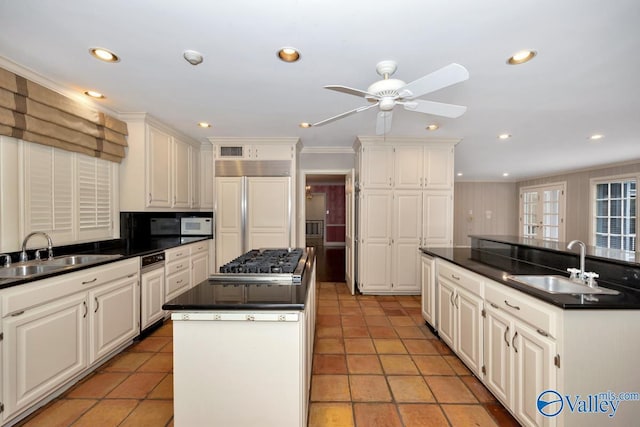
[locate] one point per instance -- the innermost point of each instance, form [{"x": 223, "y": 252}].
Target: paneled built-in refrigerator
[{"x": 253, "y": 207}]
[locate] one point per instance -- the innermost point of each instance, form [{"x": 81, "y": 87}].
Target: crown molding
[
  {"x": 327, "y": 150},
  {"x": 405, "y": 140},
  {"x": 253, "y": 140}
]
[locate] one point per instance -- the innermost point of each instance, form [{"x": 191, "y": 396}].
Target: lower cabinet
[
  {"x": 186, "y": 266},
  {"x": 199, "y": 262},
  {"x": 152, "y": 294},
  {"x": 427, "y": 277},
  {"x": 56, "y": 329}
]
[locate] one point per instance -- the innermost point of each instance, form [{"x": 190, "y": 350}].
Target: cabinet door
[
  {"x": 206, "y": 179},
  {"x": 428, "y": 289},
  {"x": 194, "y": 179},
  {"x": 375, "y": 257},
  {"x": 158, "y": 169},
  {"x": 152, "y": 294},
  {"x": 407, "y": 167},
  {"x": 377, "y": 166},
  {"x": 407, "y": 225},
  {"x": 534, "y": 372},
  {"x": 268, "y": 212},
  {"x": 446, "y": 312},
  {"x": 44, "y": 347},
  {"x": 228, "y": 219},
  {"x": 199, "y": 268},
  {"x": 177, "y": 283},
  {"x": 498, "y": 329},
  {"x": 437, "y": 213},
  {"x": 114, "y": 316},
  {"x": 270, "y": 151},
  {"x": 438, "y": 168},
  {"x": 469, "y": 329},
  {"x": 181, "y": 167}
]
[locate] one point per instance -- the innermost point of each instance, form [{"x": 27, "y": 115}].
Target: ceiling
[{"x": 584, "y": 79}]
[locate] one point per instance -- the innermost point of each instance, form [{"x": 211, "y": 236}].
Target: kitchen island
[{"x": 243, "y": 350}]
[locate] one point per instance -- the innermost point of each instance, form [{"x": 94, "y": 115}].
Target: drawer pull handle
[
  {"x": 178, "y": 266},
  {"x": 179, "y": 281},
  {"x": 455, "y": 277},
  {"x": 451, "y": 299},
  {"x": 86, "y": 310},
  {"x": 513, "y": 342},
  {"x": 179, "y": 254},
  {"x": 90, "y": 281},
  {"x": 456, "y": 299},
  {"x": 541, "y": 332},
  {"x": 97, "y": 304},
  {"x": 506, "y": 331},
  {"x": 494, "y": 305},
  {"x": 18, "y": 313},
  {"x": 512, "y": 306}
]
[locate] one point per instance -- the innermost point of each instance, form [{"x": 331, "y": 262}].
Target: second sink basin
[
  {"x": 559, "y": 285},
  {"x": 22, "y": 271}
]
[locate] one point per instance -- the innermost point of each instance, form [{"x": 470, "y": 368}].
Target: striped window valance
[{"x": 33, "y": 113}]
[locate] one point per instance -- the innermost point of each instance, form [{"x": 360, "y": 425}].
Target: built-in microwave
[{"x": 196, "y": 226}]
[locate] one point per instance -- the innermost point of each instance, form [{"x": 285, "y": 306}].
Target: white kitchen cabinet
[
  {"x": 152, "y": 294},
  {"x": 206, "y": 174},
  {"x": 428, "y": 279},
  {"x": 239, "y": 148},
  {"x": 437, "y": 214},
  {"x": 497, "y": 355},
  {"x": 427, "y": 167},
  {"x": 460, "y": 306},
  {"x": 158, "y": 171},
  {"x": 229, "y": 230},
  {"x": 375, "y": 241},
  {"x": 178, "y": 271},
  {"x": 199, "y": 262},
  {"x": 376, "y": 170},
  {"x": 407, "y": 225},
  {"x": 270, "y": 152},
  {"x": 114, "y": 316}
]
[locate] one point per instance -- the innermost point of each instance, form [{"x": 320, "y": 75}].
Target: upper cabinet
[
  {"x": 428, "y": 167},
  {"x": 162, "y": 170},
  {"x": 376, "y": 167},
  {"x": 238, "y": 149}
]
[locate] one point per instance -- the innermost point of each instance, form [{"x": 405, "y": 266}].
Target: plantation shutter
[{"x": 95, "y": 198}]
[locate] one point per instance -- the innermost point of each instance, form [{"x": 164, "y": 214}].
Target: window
[
  {"x": 542, "y": 212},
  {"x": 614, "y": 219}
]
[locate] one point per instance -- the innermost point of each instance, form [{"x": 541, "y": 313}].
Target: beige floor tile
[
  {"x": 351, "y": 311},
  {"x": 401, "y": 321},
  {"x": 457, "y": 365},
  {"x": 98, "y": 385},
  {"x": 409, "y": 332},
  {"x": 363, "y": 364},
  {"x": 107, "y": 413},
  {"x": 422, "y": 346},
  {"x": 382, "y": 332},
  {"x": 389, "y": 346},
  {"x": 369, "y": 388},
  {"x": 348, "y": 301},
  {"x": 410, "y": 388},
  {"x": 468, "y": 415},
  {"x": 432, "y": 365},
  {"x": 372, "y": 311},
  {"x": 127, "y": 362},
  {"x": 330, "y": 415},
  {"x": 330, "y": 388},
  {"x": 137, "y": 386},
  {"x": 328, "y": 310},
  {"x": 150, "y": 413},
  {"x": 329, "y": 364},
  {"x": 164, "y": 389},
  {"x": 355, "y": 332},
  {"x": 423, "y": 415},
  {"x": 60, "y": 413},
  {"x": 160, "y": 362},
  {"x": 376, "y": 415},
  {"x": 329, "y": 345},
  {"x": 450, "y": 390},
  {"x": 396, "y": 364},
  {"x": 352, "y": 320},
  {"x": 359, "y": 345},
  {"x": 328, "y": 320},
  {"x": 377, "y": 320},
  {"x": 329, "y": 332}
]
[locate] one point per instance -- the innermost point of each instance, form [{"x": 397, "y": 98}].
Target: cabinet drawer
[
  {"x": 461, "y": 277},
  {"x": 179, "y": 265},
  {"x": 39, "y": 292},
  {"x": 537, "y": 313},
  {"x": 198, "y": 247},
  {"x": 176, "y": 253},
  {"x": 177, "y": 281}
]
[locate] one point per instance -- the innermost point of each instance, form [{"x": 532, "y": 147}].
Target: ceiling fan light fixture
[
  {"x": 504, "y": 136},
  {"x": 521, "y": 57},
  {"x": 103, "y": 54},
  {"x": 289, "y": 54},
  {"x": 305, "y": 125},
  {"x": 94, "y": 94}
]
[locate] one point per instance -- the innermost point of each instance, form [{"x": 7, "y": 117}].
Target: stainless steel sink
[
  {"x": 24, "y": 271},
  {"x": 559, "y": 285},
  {"x": 35, "y": 268},
  {"x": 68, "y": 260}
]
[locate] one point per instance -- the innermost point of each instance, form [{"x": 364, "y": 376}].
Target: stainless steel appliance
[
  {"x": 152, "y": 290},
  {"x": 196, "y": 226},
  {"x": 265, "y": 265},
  {"x": 164, "y": 226}
]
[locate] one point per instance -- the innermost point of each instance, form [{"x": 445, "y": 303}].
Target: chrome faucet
[
  {"x": 23, "y": 254},
  {"x": 583, "y": 250},
  {"x": 586, "y": 278}
]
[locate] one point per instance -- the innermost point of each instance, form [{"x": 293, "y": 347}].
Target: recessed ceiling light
[
  {"x": 521, "y": 57},
  {"x": 596, "y": 137},
  {"x": 289, "y": 54},
  {"x": 432, "y": 126},
  {"x": 204, "y": 125},
  {"x": 94, "y": 94},
  {"x": 504, "y": 136},
  {"x": 103, "y": 54},
  {"x": 505, "y": 174},
  {"x": 305, "y": 125},
  {"x": 459, "y": 174}
]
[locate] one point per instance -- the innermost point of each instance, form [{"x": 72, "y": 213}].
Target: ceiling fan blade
[
  {"x": 351, "y": 91},
  {"x": 446, "y": 76},
  {"x": 348, "y": 113},
  {"x": 383, "y": 123},
  {"x": 435, "y": 108}
]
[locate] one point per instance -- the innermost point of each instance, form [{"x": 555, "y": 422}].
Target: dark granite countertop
[
  {"x": 124, "y": 247},
  {"x": 496, "y": 267},
  {"x": 233, "y": 295}
]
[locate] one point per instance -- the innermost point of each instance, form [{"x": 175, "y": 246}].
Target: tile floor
[{"x": 375, "y": 364}]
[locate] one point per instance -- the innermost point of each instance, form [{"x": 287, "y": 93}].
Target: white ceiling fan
[{"x": 386, "y": 93}]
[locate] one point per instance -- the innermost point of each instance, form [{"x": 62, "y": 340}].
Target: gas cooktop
[{"x": 283, "y": 265}]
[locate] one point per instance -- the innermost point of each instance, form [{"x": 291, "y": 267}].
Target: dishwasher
[{"x": 152, "y": 290}]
